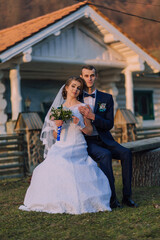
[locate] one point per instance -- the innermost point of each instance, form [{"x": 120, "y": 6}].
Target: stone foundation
[{"x": 35, "y": 149}]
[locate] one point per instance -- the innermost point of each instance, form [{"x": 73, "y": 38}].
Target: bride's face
[{"x": 73, "y": 90}]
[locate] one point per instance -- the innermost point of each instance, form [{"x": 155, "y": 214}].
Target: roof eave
[
  {"x": 123, "y": 37},
  {"x": 88, "y": 11},
  {"x": 43, "y": 33}
]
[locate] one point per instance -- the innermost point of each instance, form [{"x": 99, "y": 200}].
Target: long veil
[{"x": 47, "y": 130}]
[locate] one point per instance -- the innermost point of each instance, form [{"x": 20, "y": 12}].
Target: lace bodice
[{"x": 71, "y": 133}]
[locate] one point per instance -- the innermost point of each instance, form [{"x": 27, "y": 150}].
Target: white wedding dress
[{"x": 68, "y": 180}]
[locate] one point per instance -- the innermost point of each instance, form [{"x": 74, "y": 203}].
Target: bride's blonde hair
[{"x": 68, "y": 82}]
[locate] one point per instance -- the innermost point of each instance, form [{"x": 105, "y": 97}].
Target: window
[{"x": 143, "y": 104}]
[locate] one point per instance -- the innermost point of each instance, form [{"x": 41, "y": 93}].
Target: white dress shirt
[{"x": 91, "y": 102}]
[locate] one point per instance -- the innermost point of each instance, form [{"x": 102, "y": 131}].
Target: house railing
[
  {"x": 13, "y": 156},
  {"x": 141, "y": 133},
  {"x": 147, "y": 132}
]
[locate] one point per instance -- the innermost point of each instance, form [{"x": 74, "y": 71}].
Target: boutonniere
[{"x": 102, "y": 107}]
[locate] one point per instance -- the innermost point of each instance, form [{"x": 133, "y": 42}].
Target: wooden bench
[{"x": 146, "y": 161}]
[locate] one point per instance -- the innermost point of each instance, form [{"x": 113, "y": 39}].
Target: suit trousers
[{"x": 103, "y": 155}]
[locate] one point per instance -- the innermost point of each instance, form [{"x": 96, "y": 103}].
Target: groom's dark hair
[
  {"x": 89, "y": 67},
  {"x": 68, "y": 82}
]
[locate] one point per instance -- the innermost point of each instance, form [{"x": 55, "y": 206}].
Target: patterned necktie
[{"x": 89, "y": 95}]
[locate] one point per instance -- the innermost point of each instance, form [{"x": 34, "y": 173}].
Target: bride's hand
[
  {"x": 86, "y": 111},
  {"x": 54, "y": 134},
  {"x": 58, "y": 123},
  {"x": 75, "y": 120}
]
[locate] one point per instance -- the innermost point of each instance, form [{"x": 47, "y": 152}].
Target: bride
[{"x": 68, "y": 180}]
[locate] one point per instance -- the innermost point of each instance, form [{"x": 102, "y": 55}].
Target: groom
[{"x": 101, "y": 145}]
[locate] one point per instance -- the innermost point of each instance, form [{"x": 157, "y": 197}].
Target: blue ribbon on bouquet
[{"x": 59, "y": 133}]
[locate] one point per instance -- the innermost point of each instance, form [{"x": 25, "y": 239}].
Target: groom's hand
[{"x": 87, "y": 112}]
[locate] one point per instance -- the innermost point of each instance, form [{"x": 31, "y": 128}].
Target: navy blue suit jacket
[{"x": 104, "y": 117}]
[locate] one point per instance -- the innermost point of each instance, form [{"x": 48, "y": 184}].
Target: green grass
[{"x": 120, "y": 224}]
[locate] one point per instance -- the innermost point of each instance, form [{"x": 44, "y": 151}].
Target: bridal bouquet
[{"x": 60, "y": 114}]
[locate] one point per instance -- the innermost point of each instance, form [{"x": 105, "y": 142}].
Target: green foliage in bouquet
[{"x": 60, "y": 114}]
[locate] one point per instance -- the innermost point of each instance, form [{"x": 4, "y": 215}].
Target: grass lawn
[{"x": 120, "y": 224}]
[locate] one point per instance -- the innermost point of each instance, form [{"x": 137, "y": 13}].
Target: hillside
[{"x": 145, "y": 32}]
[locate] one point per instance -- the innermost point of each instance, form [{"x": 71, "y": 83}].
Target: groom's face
[{"x": 89, "y": 77}]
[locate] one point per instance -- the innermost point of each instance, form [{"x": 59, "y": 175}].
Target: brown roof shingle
[{"x": 12, "y": 35}]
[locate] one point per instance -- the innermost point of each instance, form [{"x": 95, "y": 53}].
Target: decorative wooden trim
[{"x": 121, "y": 37}]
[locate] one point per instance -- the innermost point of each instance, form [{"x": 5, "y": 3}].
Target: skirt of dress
[{"x": 66, "y": 184}]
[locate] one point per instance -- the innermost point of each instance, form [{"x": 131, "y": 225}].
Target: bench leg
[{"x": 146, "y": 168}]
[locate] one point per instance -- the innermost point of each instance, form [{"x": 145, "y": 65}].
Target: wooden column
[
  {"x": 16, "y": 98},
  {"x": 3, "y": 104},
  {"x": 129, "y": 90}
]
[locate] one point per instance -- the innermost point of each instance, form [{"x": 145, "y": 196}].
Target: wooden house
[{"x": 37, "y": 56}]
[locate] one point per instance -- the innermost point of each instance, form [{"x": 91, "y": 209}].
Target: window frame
[{"x": 149, "y": 95}]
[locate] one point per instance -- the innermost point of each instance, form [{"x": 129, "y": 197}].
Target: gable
[
  {"x": 75, "y": 43},
  {"x": 68, "y": 45}
]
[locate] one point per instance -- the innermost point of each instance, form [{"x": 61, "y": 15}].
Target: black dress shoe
[
  {"x": 115, "y": 204},
  {"x": 129, "y": 202}
]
